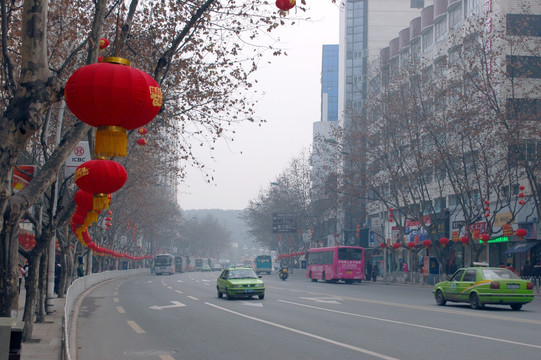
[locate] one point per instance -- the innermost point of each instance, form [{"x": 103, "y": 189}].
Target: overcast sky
[{"x": 291, "y": 105}]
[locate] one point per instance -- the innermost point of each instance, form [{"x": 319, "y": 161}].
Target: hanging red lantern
[
  {"x": 382, "y": 245},
  {"x": 285, "y": 5},
  {"x": 521, "y": 195},
  {"x": 103, "y": 43},
  {"x": 485, "y": 238},
  {"x": 141, "y": 142},
  {"x": 100, "y": 178},
  {"x": 444, "y": 241},
  {"x": 85, "y": 202},
  {"x": 521, "y": 187},
  {"x": 108, "y": 218},
  {"x": 427, "y": 243},
  {"x": 522, "y": 202},
  {"x": 487, "y": 215},
  {"x": 411, "y": 245},
  {"x": 464, "y": 240},
  {"x": 113, "y": 97},
  {"x": 77, "y": 219},
  {"x": 142, "y": 131},
  {"x": 521, "y": 233},
  {"x": 397, "y": 246},
  {"x": 487, "y": 202}
]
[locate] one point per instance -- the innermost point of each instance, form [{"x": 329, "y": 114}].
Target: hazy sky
[{"x": 291, "y": 105}]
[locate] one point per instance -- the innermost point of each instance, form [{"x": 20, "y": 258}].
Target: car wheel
[
  {"x": 440, "y": 299},
  {"x": 261, "y": 297},
  {"x": 474, "y": 301},
  {"x": 227, "y": 295},
  {"x": 220, "y": 294},
  {"x": 516, "y": 306}
]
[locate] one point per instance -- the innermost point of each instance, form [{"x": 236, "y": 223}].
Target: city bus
[
  {"x": 263, "y": 264},
  {"x": 180, "y": 264},
  {"x": 198, "y": 264},
  {"x": 337, "y": 263},
  {"x": 164, "y": 264}
]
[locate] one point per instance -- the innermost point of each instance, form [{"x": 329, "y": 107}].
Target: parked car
[
  {"x": 205, "y": 268},
  {"x": 481, "y": 285},
  {"x": 240, "y": 282}
]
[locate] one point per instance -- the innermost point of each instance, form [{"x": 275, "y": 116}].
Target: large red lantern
[
  {"x": 464, "y": 240},
  {"x": 485, "y": 238},
  {"x": 427, "y": 243},
  {"x": 285, "y": 5},
  {"x": 396, "y": 246},
  {"x": 382, "y": 245},
  {"x": 113, "y": 97},
  {"x": 85, "y": 205},
  {"x": 100, "y": 178},
  {"x": 411, "y": 245},
  {"x": 444, "y": 241},
  {"x": 521, "y": 233}
]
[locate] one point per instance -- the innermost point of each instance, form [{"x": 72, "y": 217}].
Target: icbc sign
[{"x": 79, "y": 155}]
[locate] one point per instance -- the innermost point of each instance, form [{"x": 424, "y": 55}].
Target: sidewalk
[{"x": 46, "y": 342}]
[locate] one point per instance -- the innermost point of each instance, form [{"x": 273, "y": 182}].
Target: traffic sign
[{"x": 284, "y": 222}]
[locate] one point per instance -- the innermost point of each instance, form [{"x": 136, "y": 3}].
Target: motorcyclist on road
[{"x": 283, "y": 272}]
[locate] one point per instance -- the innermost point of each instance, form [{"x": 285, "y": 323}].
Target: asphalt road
[{"x": 180, "y": 317}]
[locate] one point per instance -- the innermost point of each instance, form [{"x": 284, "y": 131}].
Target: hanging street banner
[
  {"x": 79, "y": 155},
  {"x": 284, "y": 223}
]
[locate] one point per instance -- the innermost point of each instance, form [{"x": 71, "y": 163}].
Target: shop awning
[{"x": 521, "y": 247}]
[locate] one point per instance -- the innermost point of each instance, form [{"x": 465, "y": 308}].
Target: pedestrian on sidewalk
[{"x": 22, "y": 274}]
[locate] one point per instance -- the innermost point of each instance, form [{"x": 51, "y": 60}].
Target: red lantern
[
  {"x": 521, "y": 233},
  {"x": 142, "y": 131},
  {"x": 285, "y": 5},
  {"x": 85, "y": 205},
  {"x": 444, "y": 241},
  {"x": 411, "y": 245},
  {"x": 521, "y": 187},
  {"x": 521, "y": 195},
  {"x": 522, "y": 202},
  {"x": 464, "y": 240},
  {"x": 141, "y": 142},
  {"x": 103, "y": 43},
  {"x": 485, "y": 238},
  {"x": 427, "y": 243},
  {"x": 100, "y": 178},
  {"x": 113, "y": 97},
  {"x": 382, "y": 245},
  {"x": 396, "y": 246},
  {"x": 487, "y": 202},
  {"x": 487, "y": 215}
]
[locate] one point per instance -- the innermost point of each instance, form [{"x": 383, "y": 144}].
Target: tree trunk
[
  {"x": 31, "y": 295},
  {"x": 42, "y": 288}
]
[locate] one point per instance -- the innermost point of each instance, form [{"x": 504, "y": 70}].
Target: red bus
[{"x": 336, "y": 263}]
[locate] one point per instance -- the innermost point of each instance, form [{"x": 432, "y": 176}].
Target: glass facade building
[{"x": 329, "y": 83}]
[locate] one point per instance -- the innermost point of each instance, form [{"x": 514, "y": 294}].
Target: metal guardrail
[{"x": 78, "y": 287}]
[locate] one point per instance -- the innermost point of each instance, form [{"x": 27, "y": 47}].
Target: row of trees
[{"x": 202, "y": 53}]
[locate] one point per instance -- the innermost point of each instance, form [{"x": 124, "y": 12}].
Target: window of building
[
  {"x": 440, "y": 204},
  {"x": 523, "y": 25},
  {"x": 454, "y": 56},
  {"x": 417, "y": 4},
  {"x": 415, "y": 48},
  {"x": 455, "y": 17},
  {"x": 453, "y": 200},
  {"x": 440, "y": 29},
  {"x": 527, "y": 150},
  {"x": 524, "y": 66},
  {"x": 428, "y": 40},
  {"x": 471, "y": 7},
  {"x": 524, "y": 109},
  {"x": 510, "y": 190}
]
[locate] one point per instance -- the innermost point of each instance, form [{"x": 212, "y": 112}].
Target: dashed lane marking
[
  {"x": 135, "y": 327},
  {"x": 121, "y": 309}
]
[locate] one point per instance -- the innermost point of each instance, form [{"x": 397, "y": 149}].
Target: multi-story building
[
  {"x": 456, "y": 108},
  {"x": 365, "y": 27}
]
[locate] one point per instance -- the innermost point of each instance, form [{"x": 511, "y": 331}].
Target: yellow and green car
[
  {"x": 240, "y": 282},
  {"x": 479, "y": 286}
]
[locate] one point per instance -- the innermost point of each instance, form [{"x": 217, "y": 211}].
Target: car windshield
[
  {"x": 499, "y": 274},
  {"x": 242, "y": 274}
]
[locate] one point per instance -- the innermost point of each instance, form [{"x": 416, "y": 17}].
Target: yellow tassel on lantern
[
  {"x": 92, "y": 216},
  {"x": 80, "y": 230},
  {"x": 111, "y": 141},
  {"x": 101, "y": 202}
]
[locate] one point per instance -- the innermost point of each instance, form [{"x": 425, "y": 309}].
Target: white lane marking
[
  {"x": 415, "y": 325},
  {"x": 175, "y": 304},
  {"x": 325, "y": 300},
  {"x": 178, "y": 291},
  {"x": 179, "y": 281},
  {"x": 166, "y": 357},
  {"x": 116, "y": 299},
  {"x": 136, "y": 327},
  {"x": 193, "y": 298},
  {"x": 120, "y": 309},
  {"x": 347, "y": 346},
  {"x": 251, "y": 303},
  {"x": 170, "y": 287}
]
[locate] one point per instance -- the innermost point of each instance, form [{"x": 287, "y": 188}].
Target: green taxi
[
  {"x": 240, "y": 282},
  {"x": 481, "y": 285}
]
